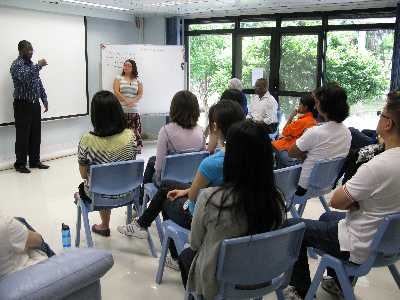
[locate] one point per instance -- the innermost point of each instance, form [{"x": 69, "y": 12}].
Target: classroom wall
[
  {"x": 154, "y": 33},
  {"x": 60, "y": 137}
]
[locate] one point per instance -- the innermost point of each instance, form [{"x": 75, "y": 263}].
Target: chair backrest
[
  {"x": 182, "y": 167},
  {"x": 386, "y": 244},
  {"x": 324, "y": 174},
  {"x": 114, "y": 179},
  {"x": 252, "y": 266},
  {"x": 287, "y": 179}
]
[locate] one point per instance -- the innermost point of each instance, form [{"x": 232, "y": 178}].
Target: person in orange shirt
[{"x": 300, "y": 119}]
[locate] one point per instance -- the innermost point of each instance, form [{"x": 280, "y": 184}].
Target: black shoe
[
  {"x": 22, "y": 169},
  {"x": 39, "y": 166}
]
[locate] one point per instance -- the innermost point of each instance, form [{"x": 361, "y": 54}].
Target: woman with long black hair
[{"x": 246, "y": 203}]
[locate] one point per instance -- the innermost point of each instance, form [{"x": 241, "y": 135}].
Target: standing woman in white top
[{"x": 129, "y": 91}]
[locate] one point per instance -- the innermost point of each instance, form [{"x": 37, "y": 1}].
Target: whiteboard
[
  {"x": 160, "y": 68},
  {"x": 60, "y": 39}
]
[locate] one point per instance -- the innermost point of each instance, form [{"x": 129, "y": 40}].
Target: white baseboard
[{"x": 45, "y": 157}]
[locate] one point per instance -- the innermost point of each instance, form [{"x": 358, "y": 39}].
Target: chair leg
[
  {"x": 78, "y": 225},
  {"x": 85, "y": 216},
  {"x": 345, "y": 283},
  {"x": 294, "y": 212},
  {"x": 161, "y": 262},
  {"x": 395, "y": 274},
  {"x": 311, "y": 253},
  {"x": 324, "y": 203},
  {"x": 129, "y": 214},
  {"x": 279, "y": 294},
  {"x": 136, "y": 202},
  {"x": 312, "y": 291},
  {"x": 301, "y": 209},
  {"x": 146, "y": 199},
  {"x": 159, "y": 229},
  {"x": 354, "y": 282},
  {"x": 152, "y": 248}
]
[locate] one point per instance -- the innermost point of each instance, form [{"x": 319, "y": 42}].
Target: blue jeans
[
  {"x": 323, "y": 235},
  {"x": 362, "y": 138},
  {"x": 283, "y": 159}
]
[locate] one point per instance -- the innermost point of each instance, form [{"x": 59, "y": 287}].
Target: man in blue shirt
[{"x": 28, "y": 88}]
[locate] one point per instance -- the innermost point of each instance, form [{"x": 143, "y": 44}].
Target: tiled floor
[{"x": 45, "y": 199}]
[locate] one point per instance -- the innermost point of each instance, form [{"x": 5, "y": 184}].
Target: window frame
[{"x": 277, "y": 32}]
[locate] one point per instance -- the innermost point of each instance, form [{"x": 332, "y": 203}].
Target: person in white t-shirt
[
  {"x": 264, "y": 110},
  {"x": 369, "y": 196},
  {"x": 328, "y": 140},
  {"x": 20, "y": 245}
]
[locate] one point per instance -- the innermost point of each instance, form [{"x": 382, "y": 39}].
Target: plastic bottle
[{"x": 66, "y": 236}]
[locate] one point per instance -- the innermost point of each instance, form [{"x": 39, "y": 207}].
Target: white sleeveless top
[{"x": 129, "y": 90}]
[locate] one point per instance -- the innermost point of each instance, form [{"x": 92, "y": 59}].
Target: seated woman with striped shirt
[{"x": 110, "y": 141}]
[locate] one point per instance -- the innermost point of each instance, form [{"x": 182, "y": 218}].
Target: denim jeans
[
  {"x": 362, "y": 138},
  {"x": 283, "y": 160},
  {"x": 323, "y": 235},
  {"x": 169, "y": 209}
]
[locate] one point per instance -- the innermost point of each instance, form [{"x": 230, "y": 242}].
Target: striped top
[
  {"x": 130, "y": 90},
  {"x": 95, "y": 150}
]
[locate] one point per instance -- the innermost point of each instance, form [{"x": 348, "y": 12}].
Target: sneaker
[
  {"x": 172, "y": 263},
  {"x": 133, "y": 230},
  {"x": 290, "y": 293},
  {"x": 329, "y": 285}
]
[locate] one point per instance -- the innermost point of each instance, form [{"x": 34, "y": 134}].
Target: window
[
  {"x": 361, "y": 21},
  {"x": 287, "y": 105},
  {"x": 361, "y": 62},
  {"x": 255, "y": 59},
  {"x": 288, "y": 23},
  {"x": 257, "y": 24},
  {"x": 298, "y": 68},
  {"x": 358, "y": 56},
  {"x": 210, "y": 66},
  {"x": 211, "y": 26}
]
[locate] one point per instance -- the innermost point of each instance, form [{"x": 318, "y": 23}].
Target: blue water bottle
[{"x": 66, "y": 236}]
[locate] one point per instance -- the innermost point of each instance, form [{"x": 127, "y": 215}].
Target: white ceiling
[{"x": 214, "y": 8}]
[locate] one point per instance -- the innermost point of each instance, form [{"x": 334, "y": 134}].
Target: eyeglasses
[{"x": 379, "y": 113}]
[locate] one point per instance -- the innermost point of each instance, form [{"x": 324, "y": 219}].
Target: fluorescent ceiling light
[{"x": 96, "y": 5}]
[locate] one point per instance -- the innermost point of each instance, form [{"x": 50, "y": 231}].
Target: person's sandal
[{"x": 102, "y": 232}]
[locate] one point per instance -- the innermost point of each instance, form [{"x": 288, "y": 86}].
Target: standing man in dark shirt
[{"x": 28, "y": 88}]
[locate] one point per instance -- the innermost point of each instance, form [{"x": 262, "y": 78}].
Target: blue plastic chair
[
  {"x": 287, "y": 180},
  {"x": 179, "y": 235},
  {"x": 111, "y": 185},
  {"x": 385, "y": 251},
  {"x": 321, "y": 182},
  {"x": 178, "y": 167},
  {"x": 253, "y": 266}
]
